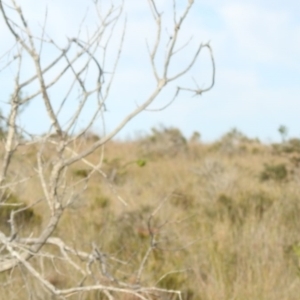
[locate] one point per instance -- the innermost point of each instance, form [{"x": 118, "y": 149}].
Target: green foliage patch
[
  {"x": 277, "y": 172},
  {"x": 22, "y": 216}
]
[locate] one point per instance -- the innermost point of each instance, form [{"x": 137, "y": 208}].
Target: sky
[{"x": 256, "y": 46}]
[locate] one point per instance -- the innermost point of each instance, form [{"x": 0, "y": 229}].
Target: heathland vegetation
[
  {"x": 218, "y": 220},
  {"x": 86, "y": 217}
]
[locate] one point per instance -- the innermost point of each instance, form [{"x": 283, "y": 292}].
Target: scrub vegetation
[
  {"x": 221, "y": 219},
  {"x": 87, "y": 217}
]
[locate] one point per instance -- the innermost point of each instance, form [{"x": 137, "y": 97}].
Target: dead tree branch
[{"x": 80, "y": 70}]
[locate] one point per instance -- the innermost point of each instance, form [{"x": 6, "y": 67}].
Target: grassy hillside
[{"x": 223, "y": 218}]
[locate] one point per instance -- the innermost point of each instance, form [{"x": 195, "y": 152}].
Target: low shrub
[
  {"x": 277, "y": 172},
  {"x": 11, "y": 203},
  {"x": 163, "y": 142}
]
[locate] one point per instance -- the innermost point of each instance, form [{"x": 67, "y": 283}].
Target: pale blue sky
[{"x": 257, "y": 51}]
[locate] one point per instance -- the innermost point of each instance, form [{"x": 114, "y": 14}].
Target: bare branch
[
  {"x": 82, "y": 75},
  {"x": 201, "y": 91},
  {"x": 170, "y": 51}
]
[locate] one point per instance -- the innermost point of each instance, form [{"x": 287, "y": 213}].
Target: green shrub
[
  {"x": 101, "y": 202},
  {"x": 141, "y": 162},
  {"x": 276, "y": 172},
  {"x": 10, "y": 203},
  {"x": 237, "y": 209},
  {"x": 172, "y": 281},
  {"x": 83, "y": 173}
]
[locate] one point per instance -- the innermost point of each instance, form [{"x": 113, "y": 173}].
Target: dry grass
[{"x": 223, "y": 232}]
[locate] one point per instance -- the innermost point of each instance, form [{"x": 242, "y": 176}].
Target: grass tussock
[{"x": 227, "y": 227}]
